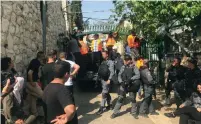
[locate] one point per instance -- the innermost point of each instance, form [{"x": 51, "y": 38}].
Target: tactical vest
[
  {"x": 99, "y": 45},
  {"x": 127, "y": 74}
]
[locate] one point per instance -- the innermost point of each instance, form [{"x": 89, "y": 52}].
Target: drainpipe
[{"x": 44, "y": 26}]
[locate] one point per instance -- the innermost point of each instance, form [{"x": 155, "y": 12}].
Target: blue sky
[{"x": 95, "y": 5}]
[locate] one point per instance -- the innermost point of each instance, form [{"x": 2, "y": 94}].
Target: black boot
[
  {"x": 109, "y": 107},
  {"x": 135, "y": 116},
  {"x": 170, "y": 115},
  {"x": 144, "y": 115},
  {"x": 100, "y": 111},
  {"x": 154, "y": 113},
  {"x": 113, "y": 116}
]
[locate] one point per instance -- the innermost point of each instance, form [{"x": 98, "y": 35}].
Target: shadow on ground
[{"x": 85, "y": 94}]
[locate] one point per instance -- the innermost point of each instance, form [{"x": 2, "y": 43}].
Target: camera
[{"x": 5, "y": 76}]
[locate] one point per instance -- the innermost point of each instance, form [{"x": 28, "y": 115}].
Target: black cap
[{"x": 193, "y": 61}]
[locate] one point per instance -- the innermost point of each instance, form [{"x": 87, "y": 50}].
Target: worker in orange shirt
[
  {"x": 110, "y": 42},
  {"x": 84, "y": 56},
  {"x": 133, "y": 44},
  {"x": 84, "y": 48}
]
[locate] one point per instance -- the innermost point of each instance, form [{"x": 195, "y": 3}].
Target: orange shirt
[
  {"x": 84, "y": 48},
  {"x": 132, "y": 41},
  {"x": 110, "y": 42}
]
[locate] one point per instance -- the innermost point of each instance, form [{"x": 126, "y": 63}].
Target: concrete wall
[{"x": 21, "y": 29}]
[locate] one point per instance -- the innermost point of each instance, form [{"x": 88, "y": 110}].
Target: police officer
[
  {"x": 106, "y": 83},
  {"x": 128, "y": 78},
  {"x": 193, "y": 75},
  {"x": 175, "y": 82},
  {"x": 148, "y": 84}
]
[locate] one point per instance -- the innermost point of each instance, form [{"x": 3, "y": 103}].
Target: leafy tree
[
  {"x": 148, "y": 17},
  {"x": 76, "y": 10}
]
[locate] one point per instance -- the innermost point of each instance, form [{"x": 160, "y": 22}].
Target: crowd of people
[{"x": 49, "y": 83}]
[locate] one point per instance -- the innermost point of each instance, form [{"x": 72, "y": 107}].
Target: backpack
[{"x": 103, "y": 71}]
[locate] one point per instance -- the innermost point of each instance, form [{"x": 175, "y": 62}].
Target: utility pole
[
  {"x": 69, "y": 17},
  {"x": 44, "y": 26}
]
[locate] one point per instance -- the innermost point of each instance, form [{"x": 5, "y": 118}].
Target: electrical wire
[
  {"x": 95, "y": 18},
  {"x": 89, "y": 11}
]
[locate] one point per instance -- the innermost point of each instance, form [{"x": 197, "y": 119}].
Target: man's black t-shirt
[
  {"x": 34, "y": 66},
  {"x": 47, "y": 73},
  {"x": 57, "y": 97}
]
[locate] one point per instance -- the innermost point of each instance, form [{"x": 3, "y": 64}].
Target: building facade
[{"x": 21, "y": 30}]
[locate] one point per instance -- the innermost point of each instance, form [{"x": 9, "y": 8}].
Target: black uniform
[
  {"x": 176, "y": 76},
  {"x": 193, "y": 76},
  {"x": 128, "y": 78}
]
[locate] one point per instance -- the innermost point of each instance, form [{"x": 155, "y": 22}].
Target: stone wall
[{"x": 21, "y": 29}]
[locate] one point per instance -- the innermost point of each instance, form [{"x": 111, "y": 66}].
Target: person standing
[
  {"x": 84, "y": 56},
  {"x": 46, "y": 72},
  {"x": 33, "y": 90},
  {"x": 74, "y": 49},
  {"x": 105, "y": 72},
  {"x": 60, "y": 104},
  {"x": 96, "y": 48},
  {"x": 74, "y": 70},
  {"x": 133, "y": 44},
  {"x": 129, "y": 79},
  {"x": 110, "y": 42},
  {"x": 148, "y": 84}
]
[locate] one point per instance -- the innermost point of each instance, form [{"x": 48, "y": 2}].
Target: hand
[
  {"x": 174, "y": 64},
  {"x": 6, "y": 87},
  {"x": 140, "y": 97},
  {"x": 199, "y": 109},
  {"x": 108, "y": 81},
  {"x": 62, "y": 119},
  {"x": 71, "y": 74},
  {"x": 181, "y": 106},
  {"x": 33, "y": 84},
  {"x": 19, "y": 121}
]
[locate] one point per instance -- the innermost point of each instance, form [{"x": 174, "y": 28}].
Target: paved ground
[{"x": 89, "y": 102}]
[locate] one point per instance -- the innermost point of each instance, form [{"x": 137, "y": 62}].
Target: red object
[
  {"x": 40, "y": 84},
  {"x": 136, "y": 44}
]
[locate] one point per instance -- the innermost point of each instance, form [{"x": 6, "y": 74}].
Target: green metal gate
[{"x": 153, "y": 51}]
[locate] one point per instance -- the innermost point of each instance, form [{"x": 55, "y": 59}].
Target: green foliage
[
  {"x": 148, "y": 16},
  {"x": 76, "y": 9}
]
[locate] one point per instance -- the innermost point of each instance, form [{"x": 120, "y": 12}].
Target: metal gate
[
  {"x": 153, "y": 52},
  {"x": 106, "y": 28}
]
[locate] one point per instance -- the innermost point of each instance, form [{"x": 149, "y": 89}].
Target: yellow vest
[
  {"x": 99, "y": 45},
  {"x": 139, "y": 63}
]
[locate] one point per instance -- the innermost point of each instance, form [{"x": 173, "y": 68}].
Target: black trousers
[
  {"x": 78, "y": 57},
  {"x": 70, "y": 88},
  {"x": 187, "y": 113},
  {"x": 96, "y": 60},
  {"x": 109, "y": 49},
  {"x": 168, "y": 89}
]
